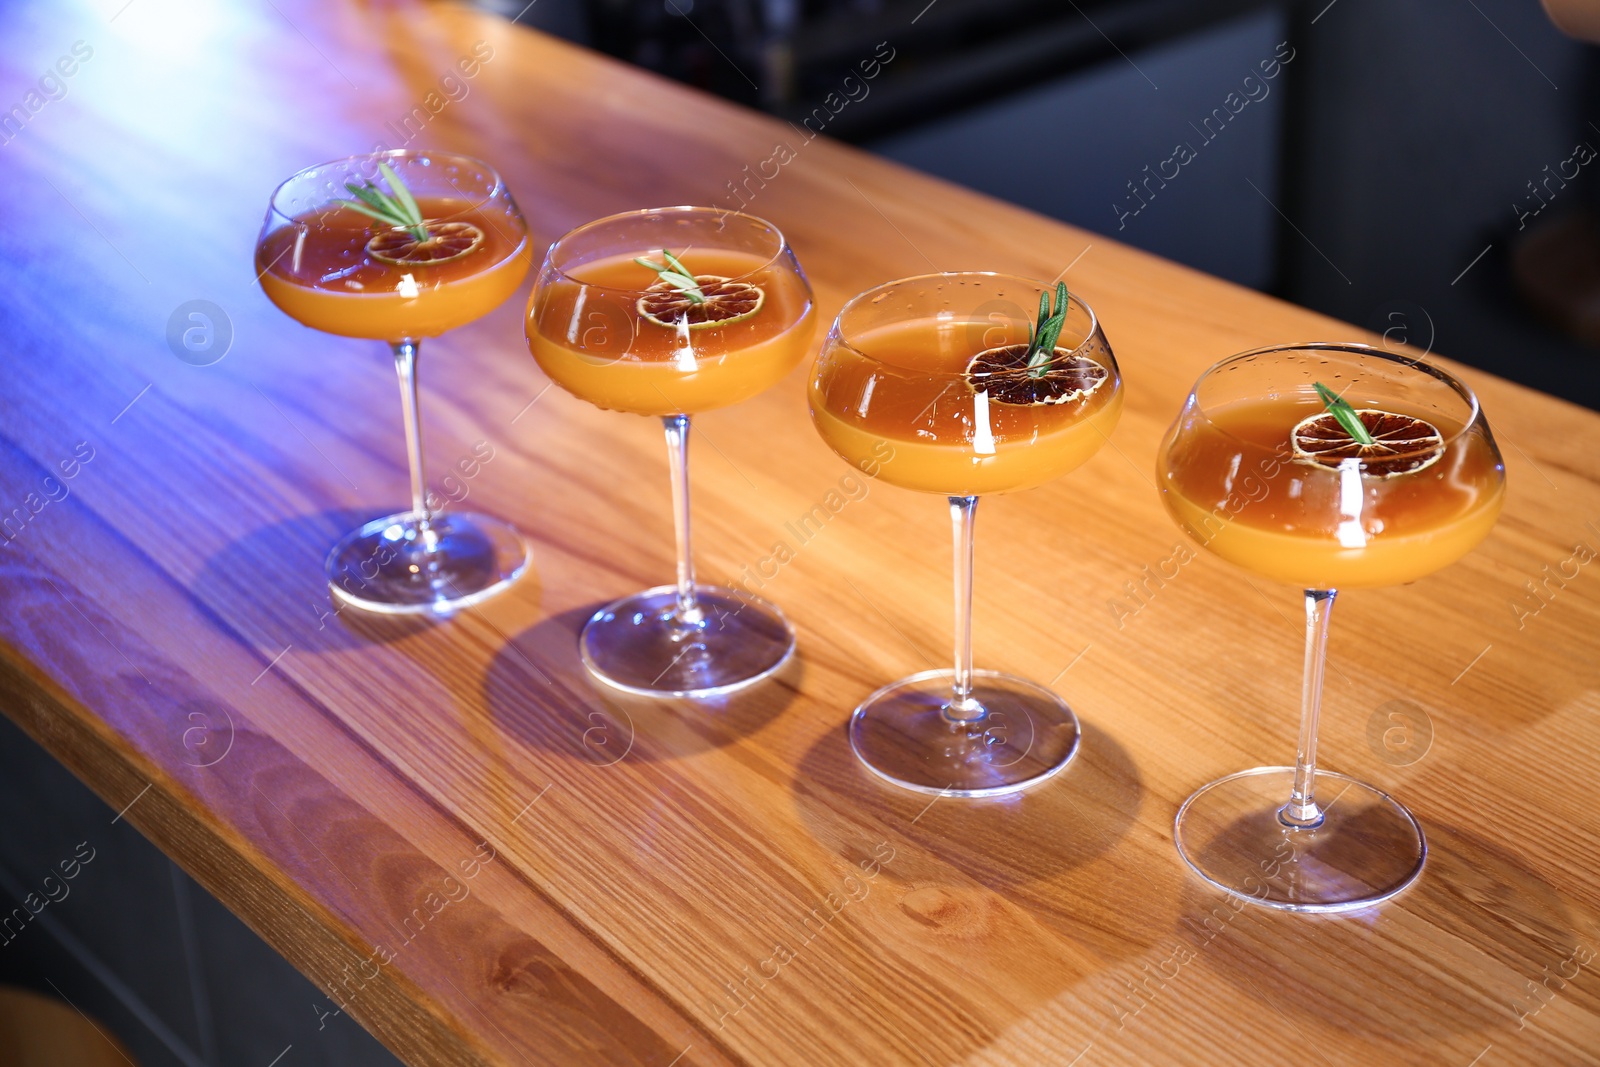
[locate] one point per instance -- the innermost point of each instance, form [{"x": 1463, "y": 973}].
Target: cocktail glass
[
  {"x": 618, "y": 333},
  {"x": 1261, "y": 471},
  {"x": 341, "y": 271},
  {"x": 920, "y": 384}
]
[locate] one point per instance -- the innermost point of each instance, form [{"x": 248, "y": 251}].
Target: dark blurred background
[{"x": 1420, "y": 167}]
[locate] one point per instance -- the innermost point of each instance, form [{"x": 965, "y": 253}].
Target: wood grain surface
[{"x": 485, "y": 859}]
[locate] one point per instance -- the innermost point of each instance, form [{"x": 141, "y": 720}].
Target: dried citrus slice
[
  {"x": 724, "y": 302},
  {"x": 1401, "y": 444},
  {"x": 1003, "y": 374},
  {"x": 446, "y": 241}
]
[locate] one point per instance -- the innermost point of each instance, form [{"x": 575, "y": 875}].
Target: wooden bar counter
[{"x": 487, "y": 860}]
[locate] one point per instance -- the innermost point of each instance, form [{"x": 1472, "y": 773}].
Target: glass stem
[
  {"x": 678, "y": 457},
  {"x": 405, "y": 367},
  {"x": 1302, "y": 812},
  {"x": 963, "y": 708}
]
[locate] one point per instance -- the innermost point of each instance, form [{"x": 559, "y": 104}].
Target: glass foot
[
  {"x": 387, "y": 566},
  {"x": 1367, "y": 848},
  {"x": 641, "y": 645},
  {"x": 901, "y": 734}
]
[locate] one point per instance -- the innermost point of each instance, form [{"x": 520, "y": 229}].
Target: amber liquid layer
[
  {"x": 1230, "y": 480},
  {"x": 904, "y": 383},
  {"x": 317, "y": 271},
  {"x": 586, "y": 332}
]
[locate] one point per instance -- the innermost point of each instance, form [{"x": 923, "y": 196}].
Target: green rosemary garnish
[
  {"x": 675, "y": 274},
  {"x": 399, "y": 210},
  {"x": 1042, "y": 349},
  {"x": 1344, "y": 413}
]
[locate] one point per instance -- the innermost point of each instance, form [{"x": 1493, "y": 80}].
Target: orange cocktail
[
  {"x": 669, "y": 312},
  {"x": 905, "y": 383},
  {"x": 396, "y": 247},
  {"x": 950, "y": 384},
  {"x": 320, "y": 270},
  {"x": 594, "y": 340},
  {"x": 1315, "y": 525},
  {"x": 1327, "y": 466}
]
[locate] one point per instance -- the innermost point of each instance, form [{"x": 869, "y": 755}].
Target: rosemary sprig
[
  {"x": 1344, "y": 413},
  {"x": 400, "y": 210},
  {"x": 1042, "y": 348},
  {"x": 674, "y": 273}
]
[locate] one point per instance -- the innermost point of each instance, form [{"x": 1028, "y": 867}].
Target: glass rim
[
  {"x": 1460, "y": 388},
  {"x": 555, "y": 246},
  {"x": 838, "y": 333},
  {"x": 499, "y": 185}
]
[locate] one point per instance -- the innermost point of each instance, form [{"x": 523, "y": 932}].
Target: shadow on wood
[{"x": 538, "y": 689}]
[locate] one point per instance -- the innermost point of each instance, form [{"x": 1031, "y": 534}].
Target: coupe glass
[
  {"x": 342, "y": 272},
  {"x": 900, "y": 393},
  {"x": 615, "y": 333},
  {"x": 1258, "y": 470}
]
